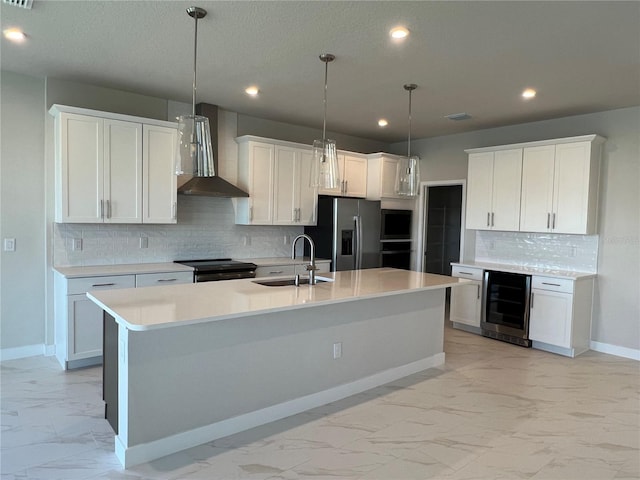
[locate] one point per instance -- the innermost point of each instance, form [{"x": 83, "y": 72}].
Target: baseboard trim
[
  {"x": 616, "y": 350},
  {"x": 22, "y": 352},
  {"x": 159, "y": 448}
]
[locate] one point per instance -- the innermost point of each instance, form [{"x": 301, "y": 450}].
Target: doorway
[{"x": 442, "y": 233}]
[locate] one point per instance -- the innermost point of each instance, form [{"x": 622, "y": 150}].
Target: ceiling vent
[
  {"x": 20, "y": 3},
  {"x": 456, "y": 117}
]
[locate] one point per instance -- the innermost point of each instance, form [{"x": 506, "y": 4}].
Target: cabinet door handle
[
  {"x": 174, "y": 211},
  {"x": 250, "y": 213},
  {"x": 488, "y": 218},
  {"x": 102, "y": 209},
  {"x": 108, "y": 208},
  {"x": 478, "y": 291},
  {"x": 346, "y": 186},
  {"x": 531, "y": 306},
  {"x": 548, "y": 219},
  {"x": 553, "y": 222},
  {"x": 276, "y": 272},
  {"x": 103, "y": 285},
  {"x": 492, "y": 224},
  {"x": 551, "y": 284},
  {"x": 167, "y": 279},
  {"x": 465, "y": 273}
]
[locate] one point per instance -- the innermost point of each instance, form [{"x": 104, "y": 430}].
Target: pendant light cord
[
  {"x": 324, "y": 120},
  {"x": 195, "y": 56},
  {"x": 409, "y": 142}
]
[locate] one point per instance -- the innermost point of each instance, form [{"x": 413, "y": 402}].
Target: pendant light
[
  {"x": 408, "y": 172},
  {"x": 194, "y": 155},
  {"x": 324, "y": 166}
]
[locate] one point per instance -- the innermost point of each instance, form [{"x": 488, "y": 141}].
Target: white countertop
[
  {"x": 168, "y": 306},
  {"x": 545, "y": 272},
  {"x": 271, "y": 261},
  {"x": 121, "y": 269}
]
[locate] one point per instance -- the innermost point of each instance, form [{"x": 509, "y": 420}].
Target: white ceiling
[{"x": 473, "y": 57}]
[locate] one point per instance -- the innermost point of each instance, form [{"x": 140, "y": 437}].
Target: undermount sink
[{"x": 287, "y": 282}]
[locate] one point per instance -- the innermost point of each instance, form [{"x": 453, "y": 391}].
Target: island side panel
[{"x": 181, "y": 379}]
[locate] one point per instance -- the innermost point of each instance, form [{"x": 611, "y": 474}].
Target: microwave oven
[{"x": 395, "y": 224}]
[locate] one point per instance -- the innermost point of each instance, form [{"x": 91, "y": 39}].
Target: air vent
[
  {"x": 20, "y": 3},
  {"x": 456, "y": 117}
]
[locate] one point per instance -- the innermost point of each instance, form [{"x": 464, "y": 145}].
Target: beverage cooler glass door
[{"x": 506, "y": 304}]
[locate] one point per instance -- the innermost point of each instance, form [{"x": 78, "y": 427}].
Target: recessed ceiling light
[
  {"x": 14, "y": 34},
  {"x": 529, "y": 93},
  {"x": 253, "y": 91},
  {"x": 382, "y": 122},
  {"x": 399, "y": 32}
]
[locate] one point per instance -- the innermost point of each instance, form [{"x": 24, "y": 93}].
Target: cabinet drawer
[
  {"x": 553, "y": 284},
  {"x": 156, "y": 279},
  {"x": 83, "y": 285},
  {"x": 466, "y": 272},
  {"x": 275, "y": 271},
  {"x": 322, "y": 267}
]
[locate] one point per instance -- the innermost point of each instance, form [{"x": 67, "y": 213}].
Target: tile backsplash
[
  {"x": 205, "y": 229},
  {"x": 578, "y": 253}
]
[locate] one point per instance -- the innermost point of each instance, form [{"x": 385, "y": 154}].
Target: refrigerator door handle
[{"x": 358, "y": 248}]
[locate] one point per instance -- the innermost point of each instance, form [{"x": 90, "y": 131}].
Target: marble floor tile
[{"x": 493, "y": 411}]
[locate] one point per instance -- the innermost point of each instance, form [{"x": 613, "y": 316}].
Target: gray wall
[
  {"x": 22, "y": 216},
  {"x": 616, "y": 307}
]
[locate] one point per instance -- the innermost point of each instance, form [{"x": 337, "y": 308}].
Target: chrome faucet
[{"x": 311, "y": 267}]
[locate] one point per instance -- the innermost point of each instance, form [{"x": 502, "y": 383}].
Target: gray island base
[{"x": 189, "y": 383}]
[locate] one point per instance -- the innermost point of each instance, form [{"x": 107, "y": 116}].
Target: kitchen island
[{"x": 202, "y": 361}]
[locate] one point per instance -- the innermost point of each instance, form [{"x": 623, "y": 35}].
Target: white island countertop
[{"x": 176, "y": 305}]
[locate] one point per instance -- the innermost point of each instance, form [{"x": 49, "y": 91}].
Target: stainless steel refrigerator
[{"x": 348, "y": 232}]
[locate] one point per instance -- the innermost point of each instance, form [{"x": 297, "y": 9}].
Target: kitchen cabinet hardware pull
[
  {"x": 250, "y": 213},
  {"x": 553, "y": 223},
  {"x": 465, "y": 273},
  {"x": 492, "y": 224},
  {"x": 548, "y": 219},
  {"x": 346, "y": 186},
  {"x": 531, "y": 306},
  {"x": 478, "y": 291},
  {"x": 102, "y": 209},
  {"x": 488, "y": 218},
  {"x": 103, "y": 285},
  {"x": 167, "y": 279},
  {"x": 175, "y": 211},
  {"x": 552, "y": 284},
  {"x": 108, "y": 208},
  {"x": 275, "y": 272}
]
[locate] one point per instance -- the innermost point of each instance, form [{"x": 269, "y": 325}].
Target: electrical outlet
[
  {"x": 337, "y": 350},
  {"x": 9, "y": 244},
  {"x": 144, "y": 242},
  {"x": 76, "y": 244}
]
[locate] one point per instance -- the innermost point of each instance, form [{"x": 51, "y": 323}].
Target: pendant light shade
[
  {"x": 324, "y": 168},
  {"x": 408, "y": 172},
  {"x": 194, "y": 155}
]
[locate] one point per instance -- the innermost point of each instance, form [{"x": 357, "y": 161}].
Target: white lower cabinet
[
  {"x": 290, "y": 269},
  {"x": 78, "y": 321},
  {"x": 466, "y": 300},
  {"x": 560, "y": 315}
]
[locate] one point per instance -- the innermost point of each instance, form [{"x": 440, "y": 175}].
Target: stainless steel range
[{"x": 213, "y": 270}]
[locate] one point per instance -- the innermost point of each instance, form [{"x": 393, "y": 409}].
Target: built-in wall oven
[
  {"x": 505, "y": 307},
  {"x": 395, "y": 238}
]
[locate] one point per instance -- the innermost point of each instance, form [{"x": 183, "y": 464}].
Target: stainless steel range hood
[{"x": 211, "y": 186}]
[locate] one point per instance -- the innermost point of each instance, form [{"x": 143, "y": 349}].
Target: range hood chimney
[{"x": 211, "y": 186}]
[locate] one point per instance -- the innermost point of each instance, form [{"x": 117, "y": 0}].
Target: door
[
  {"x": 261, "y": 181},
  {"x": 507, "y": 183},
  {"x": 571, "y": 187},
  {"x": 308, "y": 198},
  {"x": 344, "y": 221},
  {"x": 466, "y": 304},
  {"x": 550, "y": 320},
  {"x": 85, "y": 328},
  {"x": 123, "y": 172},
  {"x": 369, "y": 213},
  {"x": 284, "y": 194},
  {"x": 355, "y": 176},
  {"x": 537, "y": 188},
  {"x": 479, "y": 191},
  {"x": 159, "y": 182},
  {"x": 442, "y": 228}
]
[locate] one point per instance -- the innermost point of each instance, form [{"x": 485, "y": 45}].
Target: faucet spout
[{"x": 311, "y": 267}]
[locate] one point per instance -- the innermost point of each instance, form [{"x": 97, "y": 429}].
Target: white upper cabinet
[
  {"x": 276, "y": 175},
  {"x": 381, "y": 176},
  {"x": 353, "y": 176},
  {"x": 159, "y": 189},
  {"x": 493, "y": 190},
  {"x": 545, "y": 186},
  {"x": 113, "y": 168},
  {"x": 560, "y": 187}
]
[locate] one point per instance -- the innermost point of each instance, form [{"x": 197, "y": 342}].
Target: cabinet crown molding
[
  {"x": 554, "y": 141},
  {"x": 56, "y": 110}
]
